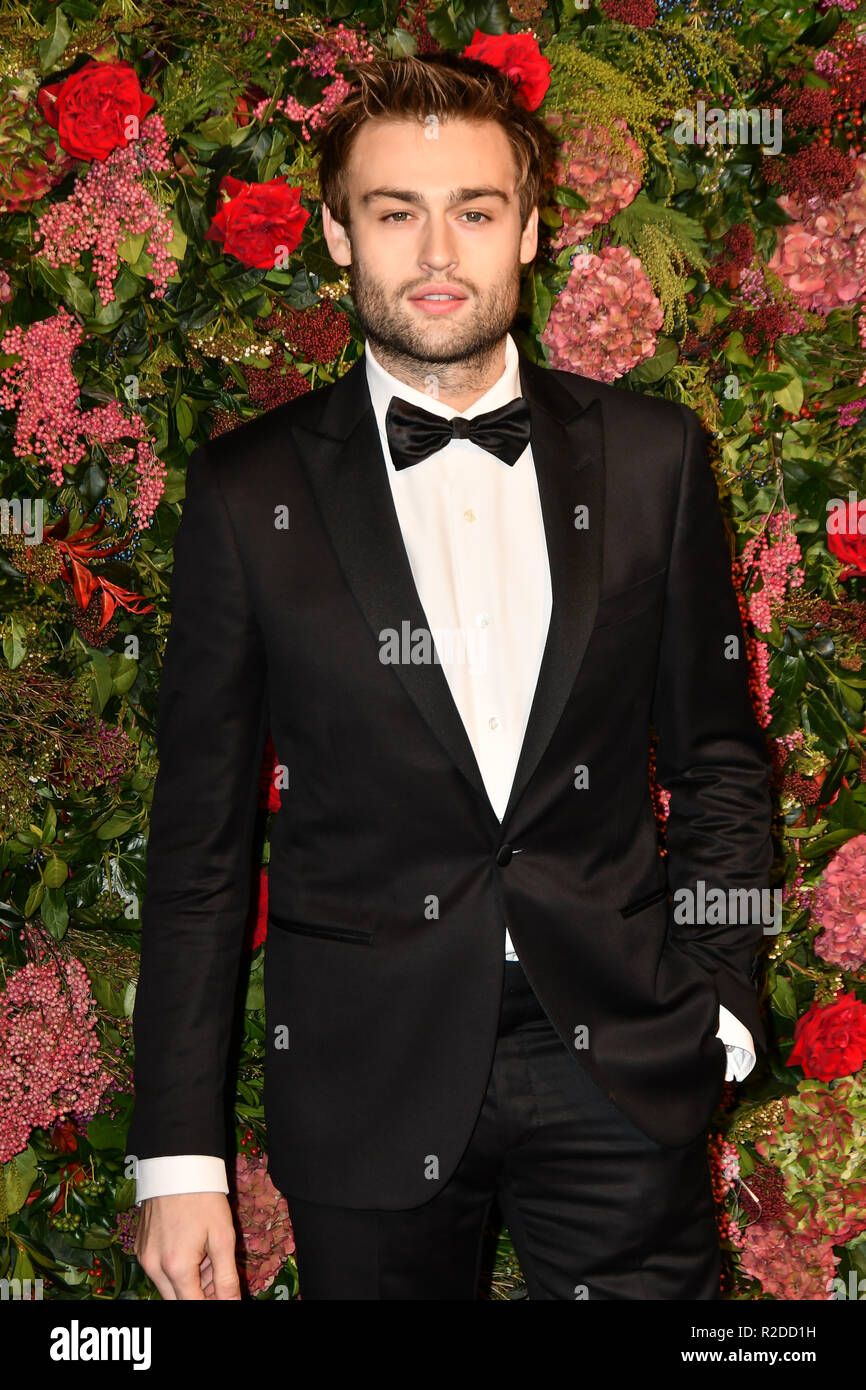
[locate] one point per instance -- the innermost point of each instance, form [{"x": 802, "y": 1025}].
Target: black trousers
[{"x": 595, "y": 1209}]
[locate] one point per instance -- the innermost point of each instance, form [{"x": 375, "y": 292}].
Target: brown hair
[{"x": 443, "y": 85}]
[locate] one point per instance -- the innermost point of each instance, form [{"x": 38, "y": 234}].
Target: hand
[{"x": 185, "y": 1243}]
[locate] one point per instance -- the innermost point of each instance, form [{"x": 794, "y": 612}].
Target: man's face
[{"x": 433, "y": 204}]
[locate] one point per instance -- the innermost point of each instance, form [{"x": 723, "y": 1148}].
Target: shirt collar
[{"x": 383, "y": 385}]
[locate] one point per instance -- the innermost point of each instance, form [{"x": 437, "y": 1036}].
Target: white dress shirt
[{"x": 474, "y": 536}]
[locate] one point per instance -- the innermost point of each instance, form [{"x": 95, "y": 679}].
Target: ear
[
  {"x": 337, "y": 238},
  {"x": 529, "y": 238}
]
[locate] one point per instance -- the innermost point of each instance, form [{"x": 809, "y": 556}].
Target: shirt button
[
  {"x": 494, "y": 722},
  {"x": 469, "y": 515},
  {"x": 482, "y": 620},
  {"x": 503, "y": 856}
]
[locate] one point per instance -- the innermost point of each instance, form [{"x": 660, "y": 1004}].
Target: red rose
[
  {"x": 517, "y": 55},
  {"x": 850, "y": 549},
  {"x": 91, "y": 109},
  {"x": 830, "y": 1040},
  {"x": 257, "y": 219}
]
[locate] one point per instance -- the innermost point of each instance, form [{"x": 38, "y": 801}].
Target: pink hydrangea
[
  {"x": 787, "y": 1266},
  {"x": 606, "y": 318},
  {"x": 840, "y": 907},
  {"x": 816, "y": 255},
  {"x": 607, "y": 177},
  {"x": 266, "y": 1238}
]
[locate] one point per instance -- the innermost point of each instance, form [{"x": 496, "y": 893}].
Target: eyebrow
[{"x": 457, "y": 195}]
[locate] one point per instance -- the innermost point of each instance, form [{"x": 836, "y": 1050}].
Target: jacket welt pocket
[
  {"x": 360, "y": 938},
  {"x": 641, "y": 903},
  {"x": 631, "y": 602}
]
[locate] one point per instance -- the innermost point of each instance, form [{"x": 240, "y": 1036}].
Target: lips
[{"x": 450, "y": 290}]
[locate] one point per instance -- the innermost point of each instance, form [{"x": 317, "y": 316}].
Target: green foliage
[{"x": 72, "y": 847}]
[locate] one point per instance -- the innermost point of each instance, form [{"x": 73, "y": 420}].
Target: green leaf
[
  {"x": 125, "y": 677},
  {"x": 106, "y": 1132},
  {"x": 317, "y": 259},
  {"x": 16, "y": 1179},
  {"x": 770, "y": 381},
  {"x": 490, "y": 16},
  {"x": 819, "y": 33},
  {"x": 66, "y": 286},
  {"x": 117, "y": 824},
  {"x": 790, "y": 397},
  {"x": 440, "y": 23},
  {"x": 101, "y": 679},
  {"x": 14, "y": 649},
  {"x": 34, "y": 898},
  {"x": 55, "y": 913},
  {"x": 662, "y": 361},
  {"x": 124, "y": 1194},
  {"x": 783, "y": 998},
  {"x": 50, "y": 49},
  {"x": 770, "y": 213},
  {"x": 569, "y": 198},
  {"x": 185, "y": 419},
  {"x": 130, "y": 249},
  {"x": 55, "y": 873},
  {"x": 687, "y": 234},
  {"x": 401, "y": 44},
  {"x": 737, "y": 354},
  {"x": 96, "y": 1238},
  {"x": 105, "y": 994}
]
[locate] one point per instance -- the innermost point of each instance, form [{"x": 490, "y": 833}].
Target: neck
[{"x": 456, "y": 384}]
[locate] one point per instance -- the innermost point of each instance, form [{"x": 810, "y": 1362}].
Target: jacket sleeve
[
  {"x": 211, "y": 727},
  {"x": 712, "y": 753}
]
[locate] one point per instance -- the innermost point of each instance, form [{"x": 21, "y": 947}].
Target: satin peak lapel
[{"x": 338, "y": 444}]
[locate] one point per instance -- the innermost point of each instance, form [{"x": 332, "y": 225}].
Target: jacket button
[{"x": 503, "y": 856}]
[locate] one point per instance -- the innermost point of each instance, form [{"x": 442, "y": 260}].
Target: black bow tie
[{"x": 414, "y": 433}]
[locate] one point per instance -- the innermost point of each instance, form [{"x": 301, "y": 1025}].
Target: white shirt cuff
[
  {"x": 739, "y": 1043},
  {"x": 161, "y": 1177}
]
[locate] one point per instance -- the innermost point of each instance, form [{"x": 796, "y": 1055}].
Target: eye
[
  {"x": 389, "y": 215},
  {"x": 475, "y": 213}
]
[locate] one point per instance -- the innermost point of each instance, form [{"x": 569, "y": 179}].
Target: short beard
[{"x": 401, "y": 344}]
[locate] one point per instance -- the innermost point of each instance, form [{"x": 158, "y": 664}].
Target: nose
[{"x": 437, "y": 250}]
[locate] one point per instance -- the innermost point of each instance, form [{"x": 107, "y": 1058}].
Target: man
[{"x": 477, "y": 988}]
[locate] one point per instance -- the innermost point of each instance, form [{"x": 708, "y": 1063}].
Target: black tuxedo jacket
[{"x": 391, "y": 880}]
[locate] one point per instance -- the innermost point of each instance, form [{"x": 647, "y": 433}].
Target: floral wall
[{"x": 163, "y": 277}]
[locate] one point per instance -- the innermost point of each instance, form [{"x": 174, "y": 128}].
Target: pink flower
[
  {"x": 605, "y": 177},
  {"x": 788, "y": 1266},
  {"x": 109, "y": 204},
  {"x": 840, "y": 907},
  {"x": 49, "y": 1053},
  {"x": 777, "y": 565},
  {"x": 42, "y": 386},
  {"x": 266, "y": 1238},
  {"x": 821, "y": 255},
  {"x": 605, "y": 319}
]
